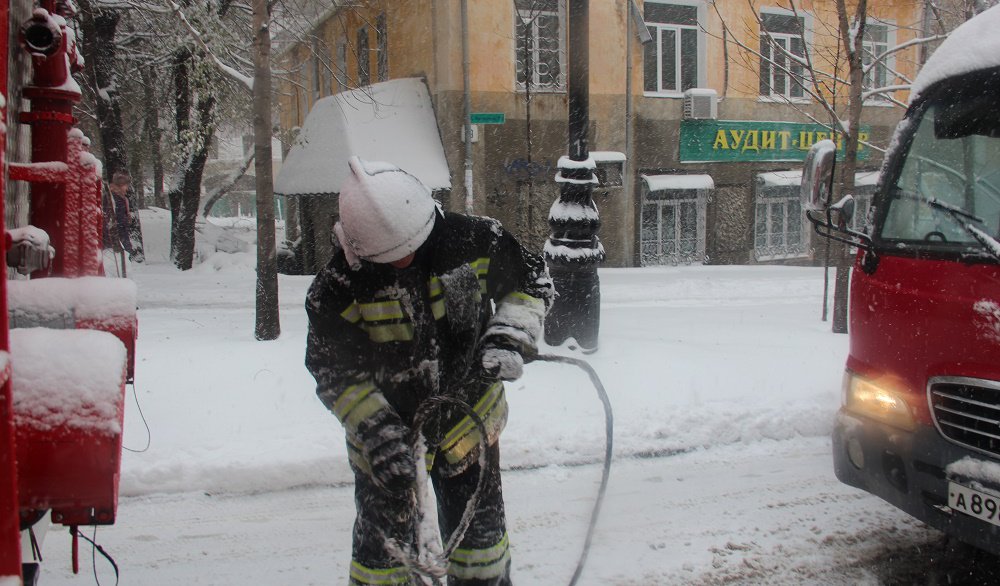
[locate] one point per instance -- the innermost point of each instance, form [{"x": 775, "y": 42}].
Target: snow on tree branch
[
  {"x": 876, "y": 59},
  {"x": 246, "y": 81}
]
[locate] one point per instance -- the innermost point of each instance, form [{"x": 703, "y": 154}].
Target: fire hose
[{"x": 434, "y": 566}]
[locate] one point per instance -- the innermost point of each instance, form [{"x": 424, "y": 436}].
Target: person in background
[
  {"x": 404, "y": 312},
  {"x": 119, "y": 187}
]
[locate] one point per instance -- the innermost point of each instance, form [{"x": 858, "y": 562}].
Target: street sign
[{"x": 487, "y": 118}]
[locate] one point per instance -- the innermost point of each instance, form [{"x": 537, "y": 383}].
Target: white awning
[
  {"x": 607, "y": 156},
  {"x": 780, "y": 178},
  {"x": 663, "y": 182},
  {"x": 794, "y": 178},
  {"x": 392, "y": 121}
]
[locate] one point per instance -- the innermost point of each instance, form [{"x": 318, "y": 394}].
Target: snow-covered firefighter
[{"x": 403, "y": 312}]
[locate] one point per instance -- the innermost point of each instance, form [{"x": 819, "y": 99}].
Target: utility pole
[{"x": 573, "y": 250}]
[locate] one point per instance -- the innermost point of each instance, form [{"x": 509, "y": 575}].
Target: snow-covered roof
[
  {"x": 973, "y": 46},
  {"x": 662, "y": 182},
  {"x": 392, "y": 121}
]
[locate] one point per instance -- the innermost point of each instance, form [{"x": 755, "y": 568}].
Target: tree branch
[
  {"x": 214, "y": 198},
  {"x": 230, "y": 72}
]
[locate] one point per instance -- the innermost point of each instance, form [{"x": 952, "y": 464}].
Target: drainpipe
[
  {"x": 467, "y": 107},
  {"x": 627, "y": 171}
]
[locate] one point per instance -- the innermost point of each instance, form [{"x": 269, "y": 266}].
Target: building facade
[{"x": 700, "y": 113}]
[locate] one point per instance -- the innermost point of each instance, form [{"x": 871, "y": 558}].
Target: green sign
[
  {"x": 750, "y": 141},
  {"x": 487, "y": 118}
]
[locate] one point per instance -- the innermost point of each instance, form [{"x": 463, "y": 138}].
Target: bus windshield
[{"x": 948, "y": 174}]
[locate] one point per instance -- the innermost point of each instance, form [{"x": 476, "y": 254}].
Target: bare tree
[{"x": 839, "y": 84}]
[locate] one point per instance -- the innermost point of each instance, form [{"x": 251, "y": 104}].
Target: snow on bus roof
[
  {"x": 973, "y": 46},
  {"x": 392, "y": 121}
]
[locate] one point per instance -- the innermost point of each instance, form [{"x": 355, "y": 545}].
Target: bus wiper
[
  {"x": 952, "y": 209},
  {"x": 989, "y": 243}
]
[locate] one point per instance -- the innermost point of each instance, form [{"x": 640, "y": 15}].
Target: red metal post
[
  {"x": 52, "y": 94},
  {"x": 10, "y": 535}
]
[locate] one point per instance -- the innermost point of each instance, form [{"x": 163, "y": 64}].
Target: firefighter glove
[
  {"x": 384, "y": 442},
  {"x": 503, "y": 363}
]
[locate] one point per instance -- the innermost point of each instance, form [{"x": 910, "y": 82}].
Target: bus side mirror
[
  {"x": 831, "y": 220},
  {"x": 817, "y": 175}
]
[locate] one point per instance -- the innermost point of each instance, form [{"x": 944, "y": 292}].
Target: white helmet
[{"x": 385, "y": 213}]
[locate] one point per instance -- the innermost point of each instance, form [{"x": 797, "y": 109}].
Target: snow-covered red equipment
[{"x": 67, "y": 344}]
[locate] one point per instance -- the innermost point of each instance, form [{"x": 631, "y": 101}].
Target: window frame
[
  {"x": 363, "y": 56},
  {"x": 319, "y": 79},
  {"x": 381, "y": 47},
  {"x": 787, "y": 195},
  {"x": 700, "y": 51},
  {"x": 806, "y": 37},
  {"x": 560, "y": 85},
  {"x": 888, "y": 64},
  {"x": 676, "y": 199},
  {"x": 340, "y": 74}
]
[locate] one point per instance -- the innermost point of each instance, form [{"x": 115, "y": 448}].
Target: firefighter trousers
[{"x": 481, "y": 559}]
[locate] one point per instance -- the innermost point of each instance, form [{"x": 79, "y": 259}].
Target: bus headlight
[{"x": 871, "y": 399}]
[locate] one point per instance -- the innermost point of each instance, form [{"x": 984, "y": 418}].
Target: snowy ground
[{"x": 723, "y": 380}]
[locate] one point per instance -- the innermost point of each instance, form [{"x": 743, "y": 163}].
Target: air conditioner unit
[{"x": 701, "y": 103}]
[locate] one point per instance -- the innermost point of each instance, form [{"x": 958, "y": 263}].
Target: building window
[
  {"x": 381, "y": 48},
  {"x": 670, "y": 62},
  {"x": 672, "y": 229},
  {"x": 781, "y": 40},
  {"x": 875, "y": 43},
  {"x": 364, "y": 67},
  {"x": 540, "y": 55},
  {"x": 779, "y": 221},
  {"x": 320, "y": 71},
  {"x": 340, "y": 75}
]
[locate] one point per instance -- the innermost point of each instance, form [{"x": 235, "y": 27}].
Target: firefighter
[{"x": 402, "y": 312}]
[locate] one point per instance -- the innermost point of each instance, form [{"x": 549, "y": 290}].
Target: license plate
[{"x": 974, "y": 503}]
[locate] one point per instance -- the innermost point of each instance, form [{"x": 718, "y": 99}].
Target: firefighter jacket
[{"x": 387, "y": 338}]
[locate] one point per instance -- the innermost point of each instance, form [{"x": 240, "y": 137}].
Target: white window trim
[
  {"x": 340, "y": 75},
  {"x": 807, "y": 34},
  {"x": 889, "y": 63},
  {"x": 804, "y": 231},
  {"x": 805, "y": 235},
  {"x": 562, "y": 84},
  {"x": 700, "y": 198},
  {"x": 702, "y": 59}
]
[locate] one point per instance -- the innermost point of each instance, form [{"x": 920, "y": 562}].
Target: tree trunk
[
  {"x": 185, "y": 197},
  {"x": 856, "y": 80},
  {"x": 188, "y": 196},
  {"x": 151, "y": 132},
  {"x": 267, "y": 323},
  {"x": 99, "y": 27}
]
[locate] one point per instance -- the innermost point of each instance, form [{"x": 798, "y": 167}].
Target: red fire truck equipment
[
  {"x": 67, "y": 335},
  {"x": 920, "y": 421}
]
